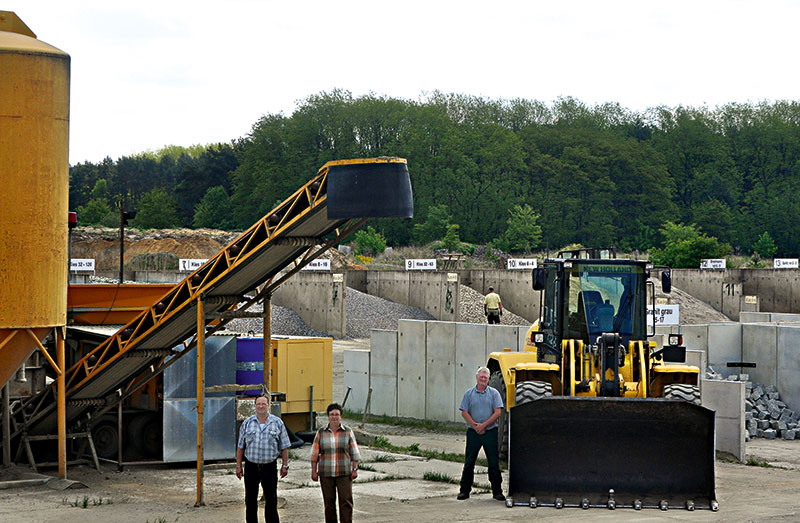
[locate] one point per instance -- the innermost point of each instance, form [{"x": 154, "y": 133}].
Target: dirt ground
[{"x": 394, "y": 491}]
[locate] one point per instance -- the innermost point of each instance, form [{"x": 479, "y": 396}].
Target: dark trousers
[
  {"x": 265, "y": 475},
  {"x": 493, "y": 317},
  {"x": 344, "y": 486},
  {"x": 487, "y": 440}
]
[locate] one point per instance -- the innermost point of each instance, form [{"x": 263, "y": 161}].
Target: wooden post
[
  {"x": 201, "y": 384},
  {"x": 62, "y": 404}
]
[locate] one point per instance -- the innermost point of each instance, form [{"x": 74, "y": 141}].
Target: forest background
[{"x": 576, "y": 174}]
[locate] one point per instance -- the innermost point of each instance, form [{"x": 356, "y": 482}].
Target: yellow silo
[{"x": 34, "y": 190}]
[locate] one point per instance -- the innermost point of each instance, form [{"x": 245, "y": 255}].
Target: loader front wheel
[
  {"x": 528, "y": 391},
  {"x": 682, "y": 392},
  {"x": 496, "y": 380}
]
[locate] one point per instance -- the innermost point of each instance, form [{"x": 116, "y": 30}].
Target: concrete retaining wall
[
  {"x": 317, "y": 298},
  {"x": 434, "y": 292},
  {"x": 514, "y": 288}
]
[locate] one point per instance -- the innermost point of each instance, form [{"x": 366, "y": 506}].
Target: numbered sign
[
  {"x": 81, "y": 264},
  {"x": 785, "y": 263},
  {"x": 713, "y": 263},
  {"x": 318, "y": 265},
  {"x": 521, "y": 263},
  {"x": 189, "y": 265},
  {"x": 421, "y": 265}
]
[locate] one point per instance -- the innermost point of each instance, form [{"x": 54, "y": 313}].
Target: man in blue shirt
[
  {"x": 261, "y": 439},
  {"x": 480, "y": 408}
]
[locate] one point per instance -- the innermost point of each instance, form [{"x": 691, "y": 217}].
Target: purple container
[{"x": 249, "y": 363}]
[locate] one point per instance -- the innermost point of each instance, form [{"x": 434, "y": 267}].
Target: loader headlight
[
  {"x": 538, "y": 337},
  {"x": 675, "y": 339}
]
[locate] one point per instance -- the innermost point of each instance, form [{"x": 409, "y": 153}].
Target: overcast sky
[{"x": 147, "y": 74}]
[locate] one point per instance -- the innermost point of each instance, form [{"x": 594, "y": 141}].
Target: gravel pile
[
  {"x": 472, "y": 309},
  {"x": 366, "y": 312},
  {"x": 285, "y": 322}
]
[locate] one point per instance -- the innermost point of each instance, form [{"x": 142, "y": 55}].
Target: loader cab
[{"x": 584, "y": 298}]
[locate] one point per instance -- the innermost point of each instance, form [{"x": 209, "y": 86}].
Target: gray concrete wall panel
[
  {"x": 383, "y": 372},
  {"x": 727, "y": 399},
  {"x": 440, "y": 372},
  {"x": 470, "y": 354},
  {"x": 411, "y": 369},
  {"x": 316, "y": 298},
  {"x": 788, "y": 366},
  {"x": 499, "y": 337},
  {"x": 356, "y": 376},
  {"x": 695, "y": 337},
  {"x": 784, "y": 317},
  {"x": 724, "y": 345},
  {"x": 759, "y": 343},
  {"x": 755, "y": 317}
]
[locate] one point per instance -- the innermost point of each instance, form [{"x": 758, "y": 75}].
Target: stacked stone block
[{"x": 766, "y": 416}]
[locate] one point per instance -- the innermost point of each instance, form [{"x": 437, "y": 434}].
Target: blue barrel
[{"x": 249, "y": 363}]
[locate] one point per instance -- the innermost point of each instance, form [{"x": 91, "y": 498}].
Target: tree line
[{"x": 593, "y": 175}]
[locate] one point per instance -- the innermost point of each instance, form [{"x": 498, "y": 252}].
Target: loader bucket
[{"x": 568, "y": 451}]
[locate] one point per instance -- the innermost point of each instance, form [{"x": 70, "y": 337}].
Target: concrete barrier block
[
  {"x": 788, "y": 365},
  {"x": 470, "y": 354},
  {"x": 695, "y": 337},
  {"x": 784, "y": 317},
  {"x": 383, "y": 346},
  {"x": 754, "y": 317},
  {"x": 383, "y": 372},
  {"x": 411, "y": 369},
  {"x": 698, "y": 359},
  {"x": 759, "y": 345},
  {"x": 724, "y": 345},
  {"x": 356, "y": 376},
  {"x": 499, "y": 337},
  {"x": 440, "y": 372},
  {"x": 727, "y": 399},
  {"x": 523, "y": 334}
]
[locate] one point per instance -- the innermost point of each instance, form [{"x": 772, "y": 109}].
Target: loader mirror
[
  {"x": 666, "y": 282},
  {"x": 539, "y": 279}
]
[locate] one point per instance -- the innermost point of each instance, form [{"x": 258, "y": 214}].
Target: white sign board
[
  {"x": 713, "y": 263},
  {"x": 318, "y": 265},
  {"x": 421, "y": 265},
  {"x": 521, "y": 263},
  {"x": 665, "y": 315},
  {"x": 81, "y": 264},
  {"x": 785, "y": 263},
  {"x": 189, "y": 265}
]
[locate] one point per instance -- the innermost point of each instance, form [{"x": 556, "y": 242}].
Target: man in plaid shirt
[
  {"x": 334, "y": 462},
  {"x": 261, "y": 439}
]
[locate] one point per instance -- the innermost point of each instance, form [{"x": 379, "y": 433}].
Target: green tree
[
  {"x": 214, "y": 210},
  {"x": 157, "y": 210},
  {"x": 685, "y": 247},
  {"x": 523, "y": 233},
  {"x": 451, "y": 240},
  {"x": 94, "y": 212},
  {"x": 765, "y": 246},
  {"x": 435, "y": 225},
  {"x": 369, "y": 242}
]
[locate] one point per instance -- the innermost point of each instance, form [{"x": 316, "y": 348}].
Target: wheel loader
[{"x": 594, "y": 415}]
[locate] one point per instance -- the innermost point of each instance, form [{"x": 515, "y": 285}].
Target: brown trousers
[{"x": 344, "y": 486}]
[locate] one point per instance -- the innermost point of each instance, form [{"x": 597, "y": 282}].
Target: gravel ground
[
  {"x": 472, "y": 309},
  {"x": 285, "y": 322}
]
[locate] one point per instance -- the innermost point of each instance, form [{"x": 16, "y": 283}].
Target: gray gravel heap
[
  {"x": 366, "y": 312},
  {"x": 472, "y": 308},
  {"x": 285, "y": 322}
]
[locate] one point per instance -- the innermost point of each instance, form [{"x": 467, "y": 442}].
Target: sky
[{"x": 146, "y": 74}]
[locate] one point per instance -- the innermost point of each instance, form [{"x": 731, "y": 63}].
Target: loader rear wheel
[
  {"x": 682, "y": 392},
  {"x": 528, "y": 391},
  {"x": 496, "y": 380}
]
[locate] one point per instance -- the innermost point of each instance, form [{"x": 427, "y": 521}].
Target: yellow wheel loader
[{"x": 594, "y": 415}]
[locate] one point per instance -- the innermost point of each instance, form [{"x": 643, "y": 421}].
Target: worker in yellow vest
[{"x": 492, "y": 306}]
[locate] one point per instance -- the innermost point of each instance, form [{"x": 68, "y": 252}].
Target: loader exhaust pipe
[{"x": 604, "y": 452}]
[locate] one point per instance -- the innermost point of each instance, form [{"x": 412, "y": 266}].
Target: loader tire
[
  {"x": 528, "y": 391},
  {"x": 496, "y": 381},
  {"x": 679, "y": 391}
]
